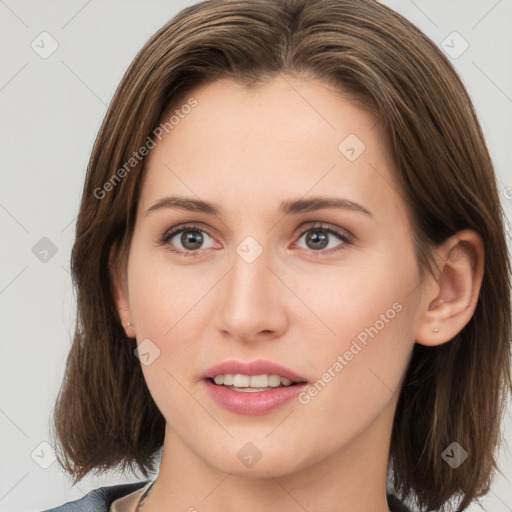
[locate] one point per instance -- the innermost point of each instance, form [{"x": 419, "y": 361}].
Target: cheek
[
  {"x": 161, "y": 306},
  {"x": 163, "y": 314},
  {"x": 359, "y": 368},
  {"x": 164, "y": 298},
  {"x": 356, "y": 382},
  {"x": 367, "y": 301}
]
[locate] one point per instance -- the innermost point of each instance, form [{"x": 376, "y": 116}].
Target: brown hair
[{"x": 105, "y": 416}]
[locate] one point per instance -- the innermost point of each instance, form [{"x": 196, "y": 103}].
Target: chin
[{"x": 257, "y": 459}]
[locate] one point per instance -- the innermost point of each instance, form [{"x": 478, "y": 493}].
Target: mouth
[
  {"x": 253, "y": 383},
  {"x": 257, "y": 387}
]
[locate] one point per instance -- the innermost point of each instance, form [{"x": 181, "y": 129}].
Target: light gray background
[{"x": 51, "y": 110}]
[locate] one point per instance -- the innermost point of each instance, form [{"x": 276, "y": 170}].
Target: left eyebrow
[
  {"x": 320, "y": 203},
  {"x": 292, "y": 207}
]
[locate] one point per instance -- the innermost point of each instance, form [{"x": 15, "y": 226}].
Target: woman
[{"x": 291, "y": 271}]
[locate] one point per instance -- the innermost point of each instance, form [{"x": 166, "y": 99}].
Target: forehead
[
  {"x": 285, "y": 110},
  {"x": 285, "y": 138}
]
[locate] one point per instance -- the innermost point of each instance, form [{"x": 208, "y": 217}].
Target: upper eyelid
[{"x": 180, "y": 228}]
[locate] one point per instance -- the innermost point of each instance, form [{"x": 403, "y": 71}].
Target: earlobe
[
  {"x": 120, "y": 295},
  {"x": 452, "y": 299}
]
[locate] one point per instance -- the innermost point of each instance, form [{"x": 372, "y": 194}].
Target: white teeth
[
  {"x": 274, "y": 380},
  {"x": 241, "y": 381},
  {"x": 252, "y": 381},
  {"x": 228, "y": 379},
  {"x": 259, "y": 381}
]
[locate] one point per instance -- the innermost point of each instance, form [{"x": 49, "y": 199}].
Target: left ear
[{"x": 451, "y": 300}]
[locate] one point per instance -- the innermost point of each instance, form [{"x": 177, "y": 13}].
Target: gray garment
[{"x": 99, "y": 500}]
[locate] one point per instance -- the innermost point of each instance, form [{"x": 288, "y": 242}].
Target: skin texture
[{"x": 247, "y": 150}]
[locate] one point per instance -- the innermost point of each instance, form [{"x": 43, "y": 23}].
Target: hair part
[{"x": 104, "y": 415}]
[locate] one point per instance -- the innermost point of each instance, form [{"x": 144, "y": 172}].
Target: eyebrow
[{"x": 287, "y": 207}]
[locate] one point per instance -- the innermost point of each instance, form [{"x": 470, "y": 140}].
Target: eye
[
  {"x": 319, "y": 238},
  {"x": 188, "y": 240},
  {"x": 190, "y": 237}
]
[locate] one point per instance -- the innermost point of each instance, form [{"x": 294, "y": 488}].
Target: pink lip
[
  {"x": 248, "y": 403},
  {"x": 252, "y": 403},
  {"x": 259, "y": 367}
]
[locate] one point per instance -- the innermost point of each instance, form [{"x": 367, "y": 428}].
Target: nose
[{"x": 252, "y": 303}]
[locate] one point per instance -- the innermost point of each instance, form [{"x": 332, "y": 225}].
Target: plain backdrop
[{"x": 51, "y": 109}]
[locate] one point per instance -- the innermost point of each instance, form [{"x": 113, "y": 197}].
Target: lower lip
[{"x": 253, "y": 403}]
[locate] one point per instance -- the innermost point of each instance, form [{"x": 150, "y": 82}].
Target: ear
[
  {"x": 451, "y": 299},
  {"x": 120, "y": 293}
]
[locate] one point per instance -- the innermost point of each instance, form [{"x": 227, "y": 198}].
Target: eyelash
[{"x": 342, "y": 235}]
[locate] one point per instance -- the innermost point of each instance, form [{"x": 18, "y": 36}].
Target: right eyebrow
[{"x": 185, "y": 203}]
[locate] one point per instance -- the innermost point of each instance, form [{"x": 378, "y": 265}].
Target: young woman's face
[{"x": 278, "y": 275}]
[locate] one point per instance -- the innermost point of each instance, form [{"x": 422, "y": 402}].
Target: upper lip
[{"x": 259, "y": 367}]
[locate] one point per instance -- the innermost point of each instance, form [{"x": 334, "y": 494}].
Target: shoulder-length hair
[{"x": 105, "y": 416}]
